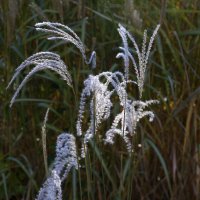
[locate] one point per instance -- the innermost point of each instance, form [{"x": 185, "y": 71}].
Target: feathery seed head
[
  {"x": 66, "y": 156},
  {"x": 51, "y": 189},
  {"x": 62, "y": 32},
  {"x": 143, "y": 55},
  {"x": 42, "y": 61}
]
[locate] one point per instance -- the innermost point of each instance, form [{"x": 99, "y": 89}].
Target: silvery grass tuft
[
  {"x": 66, "y": 158},
  {"x": 99, "y": 90},
  {"x": 42, "y": 61}
]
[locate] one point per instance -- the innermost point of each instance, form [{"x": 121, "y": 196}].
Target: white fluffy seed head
[
  {"x": 125, "y": 123},
  {"x": 42, "y": 61},
  {"x": 51, "y": 189},
  {"x": 66, "y": 155},
  {"x": 62, "y": 32},
  {"x": 142, "y": 55}
]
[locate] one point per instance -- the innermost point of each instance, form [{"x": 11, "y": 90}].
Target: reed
[
  {"x": 164, "y": 158},
  {"x": 100, "y": 104}
]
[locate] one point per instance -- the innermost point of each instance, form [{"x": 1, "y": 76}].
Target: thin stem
[{"x": 44, "y": 142}]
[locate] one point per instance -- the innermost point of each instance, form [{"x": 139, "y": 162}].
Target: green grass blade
[{"x": 162, "y": 161}]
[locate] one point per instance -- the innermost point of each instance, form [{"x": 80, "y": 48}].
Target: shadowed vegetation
[{"x": 166, "y": 159}]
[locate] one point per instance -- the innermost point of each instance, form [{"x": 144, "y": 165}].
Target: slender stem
[
  {"x": 74, "y": 96},
  {"x": 44, "y": 142},
  {"x": 79, "y": 176}
]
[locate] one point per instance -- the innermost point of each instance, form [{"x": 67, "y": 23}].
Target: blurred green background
[{"x": 167, "y": 166}]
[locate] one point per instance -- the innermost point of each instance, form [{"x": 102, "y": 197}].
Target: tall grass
[{"x": 166, "y": 160}]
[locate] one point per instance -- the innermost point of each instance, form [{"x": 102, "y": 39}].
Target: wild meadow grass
[{"x": 165, "y": 161}]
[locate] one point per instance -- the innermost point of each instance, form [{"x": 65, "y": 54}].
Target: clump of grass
[
  {"x": 99, "y": 89},
  {"x": 166, "y": 160}
]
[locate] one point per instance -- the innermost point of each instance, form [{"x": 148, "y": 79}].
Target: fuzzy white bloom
[
  {"x": 100, "y": 106},
  {"x": 125, "y": 123},
  {"x": 143, "y": 55},
  {"x": 51, "y": 189},
  {"x": 42, "y": 61},
  {"x": 66, "y": 156},
  {"x": 99, "y": 88},
  {"x": 62, "y": 32},
  {"x": 100, "y": 94},
  {"x": 100, "y": 103}
]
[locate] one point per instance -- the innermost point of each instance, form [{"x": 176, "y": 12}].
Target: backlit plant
[{"x": 98, "y": 90}]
